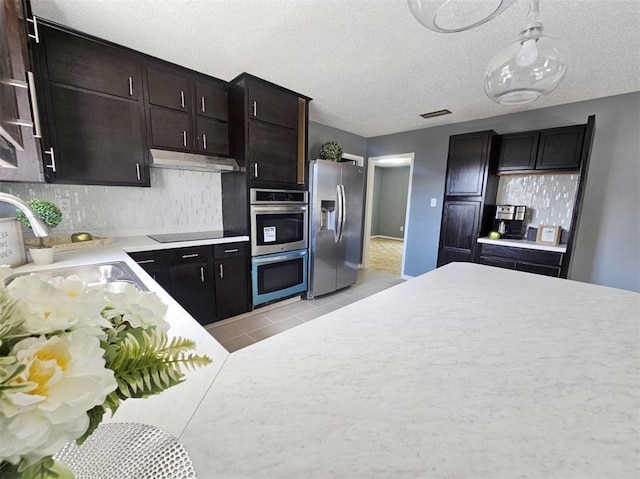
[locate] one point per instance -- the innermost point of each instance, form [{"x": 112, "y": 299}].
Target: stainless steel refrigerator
[{"x": 336, "y": 192}]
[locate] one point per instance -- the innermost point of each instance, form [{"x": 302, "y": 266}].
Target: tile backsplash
[
  {"x": 178, "y": 200},
  {"x": 549, "y": 198}
]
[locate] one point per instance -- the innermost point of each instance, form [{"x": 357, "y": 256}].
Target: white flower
[
  {"x": 5, "y": 272},
  {"x": 58, "y": 304},
  {"x": 68, "y": 377},
  {"x": 138, "y": 308}
]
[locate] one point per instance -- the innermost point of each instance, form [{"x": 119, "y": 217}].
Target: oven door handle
[{"x": 276, "y": 259}]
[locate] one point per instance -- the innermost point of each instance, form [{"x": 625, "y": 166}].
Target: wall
[
  {"x": 318, "y": 134},
  {"x": 607, "y": 249},
  {"x": 177, "y": 201},
  {"x": 390, "y": 201}
]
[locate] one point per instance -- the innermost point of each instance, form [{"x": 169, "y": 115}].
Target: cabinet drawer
[
  {"x": 211, "y": 101},
  {"x": 538, "y": 269},
  {"x": 168, "y": 90},
  {"x": 89, "y": 65},
  {"x": 228, "y": 249},
  {"x": 196, "y": 254},
  {"x": 548, "y": 258},
  {"x": 498, "y": 262},
  {"x": 147, "y": 259}
]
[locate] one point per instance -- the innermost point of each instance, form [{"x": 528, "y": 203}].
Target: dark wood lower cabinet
[
  {"x": 231, "y": 278},
  {"x": 210, "y": 282},
  {"x": 459, "y": 230},
  {"x": 547, "y": 263}
]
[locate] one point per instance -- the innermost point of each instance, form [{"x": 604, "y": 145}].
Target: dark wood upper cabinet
[
  {"x": 97, "y": 138},
  {"x": 98, "y": 68},
  {"x": 272, "y": 105},
  {"x": 467, "y": 164},
  {"x": 169, "y": 129},
  {"x": 212, "y": 136},
  {"x": 186, "y": 112},
  {"x": 20, "y": 155},
  {"x": 560, "y": 148},
  {"x": 269, "y": 132},
  {"x": 91, "y": 97},
  {"x": 518, "y": 151},
  {"x": 542, "y": 150},
  {"x": 168, "y": 90},
  {"x": 211, "y": 101},
  {"x": 272, "y": 153}
]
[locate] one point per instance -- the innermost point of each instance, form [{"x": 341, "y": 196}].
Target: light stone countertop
[
  {"x": 437, "y": 378},
  {"x": 526, "y": 244},
  {"x": 172, "y": 409}
]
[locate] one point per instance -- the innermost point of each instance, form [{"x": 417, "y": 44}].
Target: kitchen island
[{"x": 466, "y": 371}]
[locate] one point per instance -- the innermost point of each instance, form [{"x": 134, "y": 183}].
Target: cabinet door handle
[
  {"x": 221, "y": 271},
  {"x": 146, "y": 261},
  {"x": 234, "y": 250},
  {"x": 194, "y": 255},
  {"x": 202, "y": 273},
  {"x": 37, "y": 132},
  {"x": 202, "y": 104},
  {"x": 255, "y": 170},
  {"x": 138, "y": 171},
  {"x": 130, "y": 86},
  {"x": 53, "y": 159},
  {"x": 182, "y": 98},
  {"x": 184, "y": 137},
  {"x": 204, "y": 141},
  {"x": 255, "y": 108},
  {"x": 36, "y": 35}
]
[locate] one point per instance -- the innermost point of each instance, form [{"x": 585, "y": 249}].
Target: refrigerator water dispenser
[{"x": 327, "y": 215}]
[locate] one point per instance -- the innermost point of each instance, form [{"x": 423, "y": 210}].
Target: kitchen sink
[{"x": 113, "y": 275}]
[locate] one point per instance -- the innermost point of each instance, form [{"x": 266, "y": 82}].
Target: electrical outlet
[
  {"x": 65, "y": 205},
  {"x": 402, "y": 228},
  {"x": 433, "y": 202}
]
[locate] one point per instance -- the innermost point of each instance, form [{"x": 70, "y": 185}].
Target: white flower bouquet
[{"x": 70, "y": 353}]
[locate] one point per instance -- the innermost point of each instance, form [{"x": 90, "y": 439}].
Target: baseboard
[{"x": 387, "y": 237}]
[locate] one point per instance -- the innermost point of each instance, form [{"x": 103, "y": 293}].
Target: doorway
[{"x": 388, "y": 202}]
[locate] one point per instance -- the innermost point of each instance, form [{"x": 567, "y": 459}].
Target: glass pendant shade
[
  {"x": 449, "y": 16},
  {"x": 531, "y": 67}
]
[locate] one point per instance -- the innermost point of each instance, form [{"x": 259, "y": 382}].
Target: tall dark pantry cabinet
[{"x": 470, "y": 194}]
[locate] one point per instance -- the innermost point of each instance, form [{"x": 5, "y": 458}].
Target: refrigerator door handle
[
  {"x": 343, "y": 211},
  {"x": 337, "y": 230}
]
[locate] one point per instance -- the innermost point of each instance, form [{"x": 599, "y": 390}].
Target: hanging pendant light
[
  {"x": 449, "y": 16},
  {"x": 531, "y": 67}
]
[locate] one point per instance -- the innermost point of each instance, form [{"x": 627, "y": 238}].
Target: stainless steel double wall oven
[{"x": 279, "y": 240}]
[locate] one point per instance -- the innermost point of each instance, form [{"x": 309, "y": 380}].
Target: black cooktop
[{"x": 193, "y": 236}]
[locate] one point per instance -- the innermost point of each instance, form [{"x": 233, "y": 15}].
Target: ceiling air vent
[{"x": 433, "y": 114}]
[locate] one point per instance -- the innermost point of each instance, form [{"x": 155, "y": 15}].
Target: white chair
[{"x": 126, "y": 450}]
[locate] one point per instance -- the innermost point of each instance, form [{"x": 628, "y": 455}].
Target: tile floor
[{"x": 241, "y": 331}]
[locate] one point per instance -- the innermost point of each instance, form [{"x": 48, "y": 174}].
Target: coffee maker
[{"x": 509, "y": 221}]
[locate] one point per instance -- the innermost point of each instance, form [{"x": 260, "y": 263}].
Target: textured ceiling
[{"x": 369, "y": 66}]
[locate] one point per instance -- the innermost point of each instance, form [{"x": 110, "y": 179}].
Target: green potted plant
[
  {"x": 51, "y": 216},
  {"x": 331, "y": 150}
]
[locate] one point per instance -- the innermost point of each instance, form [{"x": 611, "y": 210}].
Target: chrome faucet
[{"x": 39, "y": 228}]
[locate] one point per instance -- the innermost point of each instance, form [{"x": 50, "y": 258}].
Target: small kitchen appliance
[{"x": 509, "y": 221}]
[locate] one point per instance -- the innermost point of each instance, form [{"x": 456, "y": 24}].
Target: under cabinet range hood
[{"x": 188, "y": 161}]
